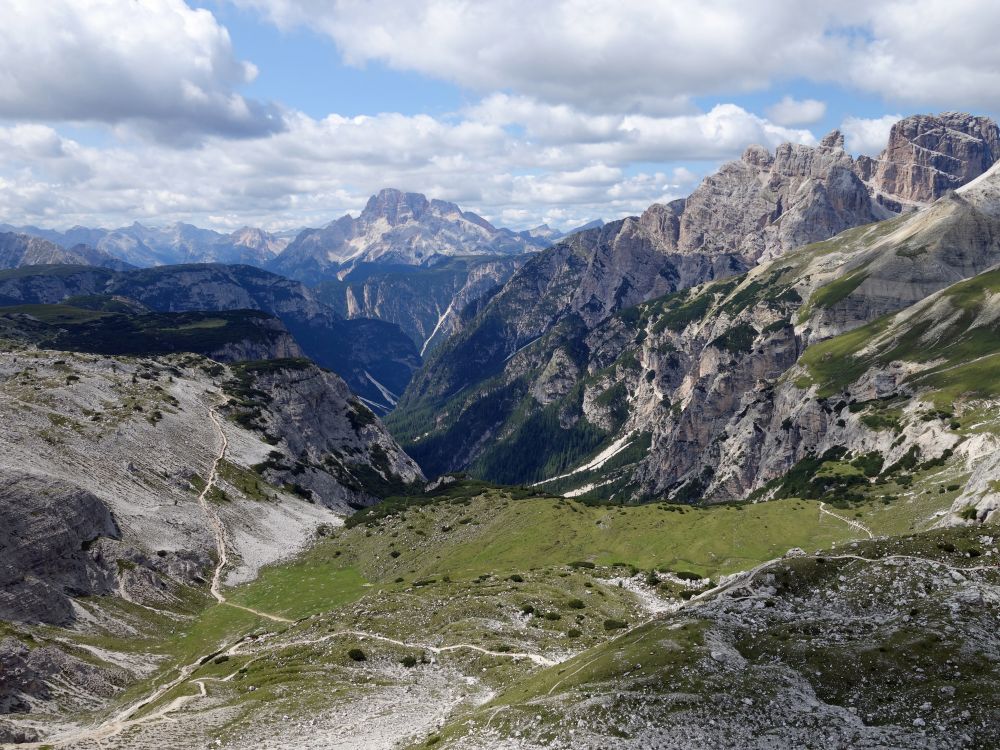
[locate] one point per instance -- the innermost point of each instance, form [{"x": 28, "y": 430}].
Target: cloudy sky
[{"x": 287, "y": 113}]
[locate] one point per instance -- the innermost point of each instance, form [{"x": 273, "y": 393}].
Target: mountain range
[
  {"x": 394, "y": 228},
  {"x": 723, "y": 474},
  {"x": 143, "y": 246},
  {"x": 612, "y": 352}
]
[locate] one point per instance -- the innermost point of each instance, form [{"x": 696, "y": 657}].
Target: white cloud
[
  {"x": 157, "y": 64},
  {"x": 583, "y": 104},
  {"x": 318, "y": 168},
  {"x": 791, "y": 111},
  {"x": 867, "y": 136},
  {"x": 653, "y": 56},
  {"x": 615, "y": 56}
]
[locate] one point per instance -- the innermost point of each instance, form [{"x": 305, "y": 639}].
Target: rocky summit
[{"x": 398, "y": 227}]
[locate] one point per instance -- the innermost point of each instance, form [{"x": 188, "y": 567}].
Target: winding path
[
  {"x": 219, "y": 530},
  {"x": 849, "y": 521},
  {"x": 123, "y": 720}
]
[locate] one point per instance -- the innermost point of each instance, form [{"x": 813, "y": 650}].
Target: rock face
[
  {"x": 359, "y": 350},
  {"x": 100, "y": 486},
  {"x": 46, "y": 529},
  {"x": 398, "y": 227},
  {"x": 764, "y": 204},
  {"x": 928, "y": 155},
  {"x": 425, "y": 302},
  {"x": 18, "y": 250}
]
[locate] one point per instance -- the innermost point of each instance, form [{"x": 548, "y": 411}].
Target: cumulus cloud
[
  {"x": 158, "y": 65},
  {"x": 867, "y": 136},
  {"x": 583, "y": 108},
  {"x": 626, "y": 55},
  {"x": 318, "y": 168},
  {"x": 655, "y": 55},
  {"x": 791, "y": 111}
]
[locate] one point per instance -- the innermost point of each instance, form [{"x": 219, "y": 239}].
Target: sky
[{"x": 290, "y": 113}]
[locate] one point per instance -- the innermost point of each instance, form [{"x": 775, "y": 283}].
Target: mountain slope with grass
[{"x": 472, "y": 616}]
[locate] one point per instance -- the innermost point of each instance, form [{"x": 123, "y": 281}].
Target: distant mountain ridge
[
  {"x": 394, "y": 228},
  {"x": 143, "y": 246},
  {"x": 18, "y": 249},
  {"x": 374, "y": 357},
  {"x": 399, "y": 228}
]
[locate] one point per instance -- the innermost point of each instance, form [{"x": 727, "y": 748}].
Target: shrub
[
  {"x": 573, "y": 633},
  {"x": 552, "y": 616},
  {"x": 394, "y": 553},
  {"x": 582, "y": 564},
  {"x": 615, "y": 624},
  {"x": 527, "y": 609},
  {"x": 969, "y": 513},
  {"x": 575, "y": 604},
  {"x": 686, "y": 575},
  {"x": 356, "y": 654},
  {"x": 408, "y": 661},
  {"x": 517, "y": 578}
]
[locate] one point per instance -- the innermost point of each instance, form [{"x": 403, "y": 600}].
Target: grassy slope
[
  {"x": 964, "y": 349},
  {"x": 451, "y": 582},
  {"x": 659, "y": 664}
]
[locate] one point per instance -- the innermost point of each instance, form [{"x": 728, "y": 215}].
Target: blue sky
[{"x": 286, "y": 113}]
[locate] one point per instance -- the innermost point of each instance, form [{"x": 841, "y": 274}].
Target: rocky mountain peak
[
  {"x": 833, "y": 139},
  {"x": 398, "y": 227},
  {"x": 758, "y": 156},
  {"x": 395, "y": 206},
  {"x": 928, "y": 155}
]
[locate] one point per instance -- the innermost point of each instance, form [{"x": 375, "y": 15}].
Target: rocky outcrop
[
  {"x": 46, "y": 529},
  {"x": 398, "y": 227},
  {"x": 343, "y": 453},
  {"x": 766, "y": 204},
  {"x": 929, "y": 155},
  {"x": 27, "y": 676}
]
